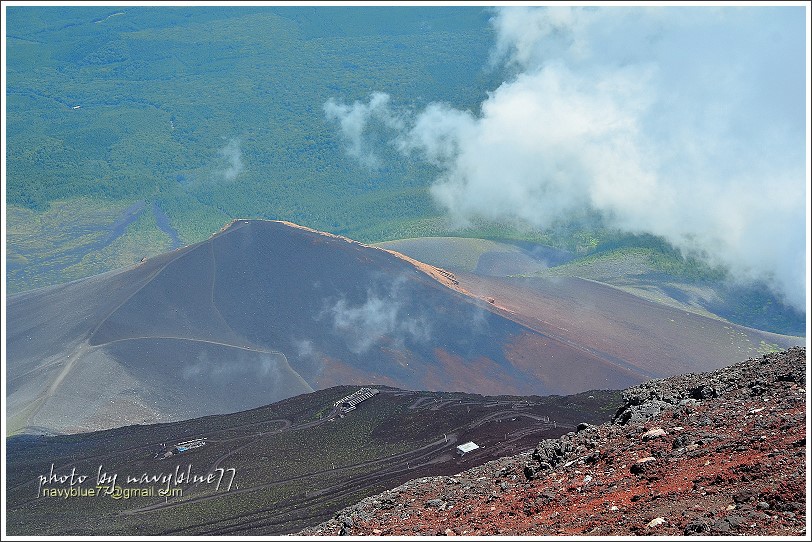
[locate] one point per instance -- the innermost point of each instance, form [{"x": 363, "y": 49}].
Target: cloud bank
[{"x": 686, "y": 123}]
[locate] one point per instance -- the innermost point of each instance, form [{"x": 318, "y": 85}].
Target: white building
[{"x": 463, "y": 449}]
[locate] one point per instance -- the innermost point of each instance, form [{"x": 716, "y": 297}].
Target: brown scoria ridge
[{"x": 719, "y": 453}]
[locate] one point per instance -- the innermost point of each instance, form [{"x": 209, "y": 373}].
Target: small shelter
[{"x": 463, "y": 449}]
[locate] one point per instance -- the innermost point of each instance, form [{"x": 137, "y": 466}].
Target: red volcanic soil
[{"x": 719, "y": 453}]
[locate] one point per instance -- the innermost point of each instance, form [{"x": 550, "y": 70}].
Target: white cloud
[
  {"x": 304, "y": 348},
  {"x": 686, "y": 123},
  {"x": 355, "y": 119},
  {"x": 233, "y": 164}
]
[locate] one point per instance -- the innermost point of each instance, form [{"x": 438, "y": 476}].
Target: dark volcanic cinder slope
[
  {"x": 262, "y": 311},
  {"x": 719, "y": 453}
]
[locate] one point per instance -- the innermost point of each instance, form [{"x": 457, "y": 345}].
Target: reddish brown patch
[{"x": 444, "y": 277}]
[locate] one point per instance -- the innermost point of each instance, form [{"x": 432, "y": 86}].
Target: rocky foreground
[{"x": 720, "y": 453}]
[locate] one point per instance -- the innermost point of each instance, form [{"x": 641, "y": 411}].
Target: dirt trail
[{"x": 80, "y": 350}]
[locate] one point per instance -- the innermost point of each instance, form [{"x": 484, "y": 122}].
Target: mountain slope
[
  {"x": 263, "y": 311},
  {"x": 266, "y": 310},
  {"x": 644, "y": 266},
  {"x": 662, "y": 340}
]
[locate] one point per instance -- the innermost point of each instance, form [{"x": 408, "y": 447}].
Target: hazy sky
[{"x": 684, "y": 122}]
